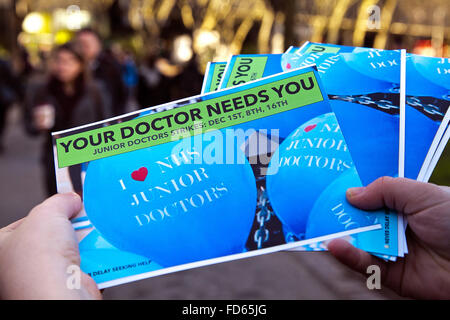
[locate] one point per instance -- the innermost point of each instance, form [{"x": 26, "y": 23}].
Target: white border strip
[
  {"x": 401, "y": 238},
  {"x": 401, "y": 147},
  {"x": 205, "y": 78},
  {"x": 82, "y": 224}
]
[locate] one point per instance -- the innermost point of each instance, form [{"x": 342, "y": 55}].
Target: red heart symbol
[
  {"x": 310, "y": 127},
  {"x": 288, "y": 66},
  {"x": 140, "y": 175}
]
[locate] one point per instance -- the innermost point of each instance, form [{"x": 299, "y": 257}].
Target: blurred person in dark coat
[
  {"x": 23, "y": 70},
  {"x": 66, "y": 99},
  {"x": 104, "y": 68},
  {"x": 9, "y": 93}
]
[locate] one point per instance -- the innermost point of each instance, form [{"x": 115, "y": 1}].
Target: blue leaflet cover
[
  {"x": 426, "y": 110},
  {"x": 384, "y": 140},
  {"x": 388, "y": 157},
  {"x": 153, "y": 205},
  {"x": 363, "y": 87}
]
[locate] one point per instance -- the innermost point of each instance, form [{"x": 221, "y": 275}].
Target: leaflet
[
  {"x": 390, "y": 243},
  {"x": 192, "y": 182},
  {"x": 426, "y": 114},
  {"x": 369, "y": 103}
]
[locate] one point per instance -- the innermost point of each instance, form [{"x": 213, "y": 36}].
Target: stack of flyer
[{"x": 258, "y": 162}]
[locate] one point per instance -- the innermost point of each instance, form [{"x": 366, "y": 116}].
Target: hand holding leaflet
[
  {"x": 424, "y": 272},
  {"x": 39, "y": 252}
]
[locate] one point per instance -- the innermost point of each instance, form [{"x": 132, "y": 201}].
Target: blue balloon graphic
[
  {"x": 433, "y": 69},
  {"x": 332, "y": 213},
  {"x": 383, "y": 65},
  {"x": 306, "y": 162},
  {"x": 167, "y": 204},
  {"x": 335, "y": 69},
  {"x": 427, "y": 76},
  {"x": 372, "y": 138}
]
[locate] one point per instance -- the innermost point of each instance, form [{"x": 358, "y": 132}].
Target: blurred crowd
[{"x": 83, "y": 81}]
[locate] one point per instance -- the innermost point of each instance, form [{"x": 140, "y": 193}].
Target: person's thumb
[
  {"x": 402, "y": 195},
  {"x": 65, "y": 205}
]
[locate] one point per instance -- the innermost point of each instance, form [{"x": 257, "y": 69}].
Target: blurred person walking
[
  {"x": 129, "y": 75},
  {"x": 66, "y": 99},
  {"x": 105, "y": 69},
  {"x": 129, "y": 70},
  {"x": 9, "y": 94},
  {"x": 23, "y": 70}
]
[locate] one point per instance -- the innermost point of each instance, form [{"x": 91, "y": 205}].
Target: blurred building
[{"x": 214, "y": 29}]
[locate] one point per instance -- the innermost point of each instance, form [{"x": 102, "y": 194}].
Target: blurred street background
[{"x": 127, "y": 55}]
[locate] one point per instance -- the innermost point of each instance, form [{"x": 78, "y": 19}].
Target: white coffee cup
[{"x": 44, "y": 116}]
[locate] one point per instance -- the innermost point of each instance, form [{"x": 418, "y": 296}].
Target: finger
[
  {"x": 400, "y": 194},
  {"x": 65, "y": 205},
  {"x": 359, "y": 261},
  {"x": 90, "y": 289},
  {"x": 354, "y": 258}
]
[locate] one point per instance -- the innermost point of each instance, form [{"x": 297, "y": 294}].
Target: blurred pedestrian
[
  {"x": 105, "y": 69},
  {"x": 66, "y": 99},
  {"x": 130, "y": 75},
  {"x": 129, "y": 70},
  {"x": 9, "y": 93}
]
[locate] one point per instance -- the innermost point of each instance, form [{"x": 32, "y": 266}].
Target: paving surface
[{"x": 282, "y": 275}]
